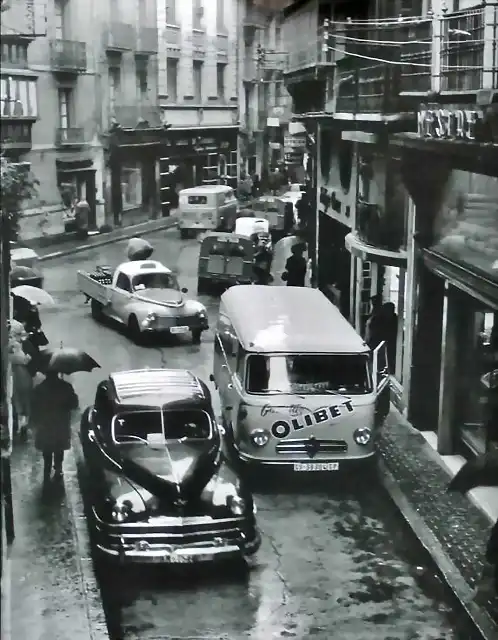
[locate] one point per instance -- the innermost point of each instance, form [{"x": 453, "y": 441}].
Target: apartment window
[
  {"x": 59, "y": 21},
  {"x": 65, "y": 97},
  {"x": 18, "y": 97},
  {"x": 278, "y": 92},
  {"x": 114, "y": 77},
  {"x": 197, "y": 14},
  {"x": 171, "y": 12},
  {"x": 220, "y": 15},
  {"x": 142, "y": 77},
  {"x": 220, "y": 80},
  {"x": 197, "y": 73},
  {"x": 172, "y": 79}
]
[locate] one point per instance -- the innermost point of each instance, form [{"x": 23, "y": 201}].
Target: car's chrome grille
[{"x": 314, "y": 447}]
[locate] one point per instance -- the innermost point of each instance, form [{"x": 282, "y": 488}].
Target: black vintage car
[{"x": 160, "y": 487}]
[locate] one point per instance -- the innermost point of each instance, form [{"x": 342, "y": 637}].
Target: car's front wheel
[
  {"x": 97, "y": 310},
  {"x": 134, "y": 330}
]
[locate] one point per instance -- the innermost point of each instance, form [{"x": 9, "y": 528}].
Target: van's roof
[
  {"x": 206, "y": 188},
  {"x": 289, "y": 320}
]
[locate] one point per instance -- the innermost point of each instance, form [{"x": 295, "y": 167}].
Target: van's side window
[{"x": 241, "y": 363}]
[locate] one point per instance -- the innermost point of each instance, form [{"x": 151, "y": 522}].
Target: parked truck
[{"x": 144, "y": 296}]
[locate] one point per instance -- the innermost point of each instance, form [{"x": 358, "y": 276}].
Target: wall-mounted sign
[
  {"x": 295, "y": 143},
  {"x": 448, "y": 123}
]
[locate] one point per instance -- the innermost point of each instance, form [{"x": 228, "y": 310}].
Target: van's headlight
[
  {"x": 236, "y": 505},
  {"x": 362, "y": 436},
  {"x": 150, "y": 319},
  {"x": 260, "y": 437}
]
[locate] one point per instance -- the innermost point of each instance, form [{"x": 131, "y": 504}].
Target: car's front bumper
[
  {"x": 177, "y": 325},
  {"x": 148, "y": 552}
]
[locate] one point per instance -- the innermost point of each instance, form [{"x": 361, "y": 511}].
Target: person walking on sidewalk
[
  {"x": 54, "y": 400},
  {"x": 295, "y": 267},
  {"x": 22, "y": 380}
]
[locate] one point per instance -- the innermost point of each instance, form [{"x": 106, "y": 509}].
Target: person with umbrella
[
  {"x": 54, "y": 400},
  {"x": 21, "y": 376}
]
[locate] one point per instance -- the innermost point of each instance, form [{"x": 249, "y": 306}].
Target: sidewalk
[
  {"x": 49, "y": 591},
  {"x": 63, "y": 247},
  {"x": 449, "y": 525}
]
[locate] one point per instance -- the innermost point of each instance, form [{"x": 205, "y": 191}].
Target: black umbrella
[
  {"x": 68, "y": 361},
  {"x": 479, "y": 472},
  {"x": 139, "y": 249}
]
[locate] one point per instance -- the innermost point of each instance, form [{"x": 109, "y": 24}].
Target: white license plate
[
  {"x": 190, "y": 558},
  {"x": 179, "y": 329},
  {"x": 316, "y": 466}
]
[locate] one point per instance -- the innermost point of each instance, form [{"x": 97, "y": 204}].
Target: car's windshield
[
  {"x": 154, "y": 281},
  {"x": 154, "y": 424},
  {"x": 308, "y": 374}
]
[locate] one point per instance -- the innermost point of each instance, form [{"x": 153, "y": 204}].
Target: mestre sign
[{"x": 448, "y": 123}]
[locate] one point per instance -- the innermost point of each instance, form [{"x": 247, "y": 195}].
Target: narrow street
[{"x": 336, "y": 560}]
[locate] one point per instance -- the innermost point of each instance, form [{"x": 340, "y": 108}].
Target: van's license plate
[
  {"x": 316, "y": 466},
  {"x": 179, "y": 329}
]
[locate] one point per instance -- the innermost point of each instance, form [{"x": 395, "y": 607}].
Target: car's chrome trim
[
  {"x": 174, "y": 521},
  {"x": 246, "y": 457},
  {"x": 168, "y": 557}
]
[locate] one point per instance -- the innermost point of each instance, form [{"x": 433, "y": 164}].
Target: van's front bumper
[{"x": 289, "y": 462}]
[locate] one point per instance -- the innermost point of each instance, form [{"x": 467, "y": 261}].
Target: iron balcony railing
[
  {"x": 254, "y": 19},
  {"x": 250, "y": 70},
  {"x": 309, "y": 52},
  {"x": 16, "y": 135},
  {"x": 369, "y": 89},
  {"x": 131, "y": 116},
  {"x": 147, "y": 40},
  {"x": 70, "y": 136},
  {"x": 378, "y": 228},
  {"x": 68, "y": 55},
  {"x": 463, "y": 48},
  {"x": 119, "y": 36}
]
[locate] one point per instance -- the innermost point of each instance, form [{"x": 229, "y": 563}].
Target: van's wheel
[
  {"x": 196, "y": 336},
  {"x": 134, "y": 330},
  {"x": 184, "y": 234},
  {"x": 97, "y": 310}
]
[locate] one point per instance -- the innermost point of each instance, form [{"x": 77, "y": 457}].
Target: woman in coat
[
  {"x": 54, "y": 400},
  {"x": 21, "y": 377}
]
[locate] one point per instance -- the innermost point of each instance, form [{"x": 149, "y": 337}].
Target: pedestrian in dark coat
[
  {"x": 53, "y": 401},
  {"x": 389, "y": 332},
  {"x": 295, "y": 268},
  {"x": 373, "y": 327}
]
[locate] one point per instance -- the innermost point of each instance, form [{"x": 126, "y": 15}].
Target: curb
[
  {"x": 132, "y": 231},
  {"x": 97, "y": 625},
  {"x": 449, "y": 572}
]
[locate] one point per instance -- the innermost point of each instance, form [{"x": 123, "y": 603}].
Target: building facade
[
  {"x": 74, "y": 73},
  {"x": 198, "y": 93},
  {"x": 450, "y": 167},
  {"x": 403, "y": 104},
  {"x": 265, "y": 104}
]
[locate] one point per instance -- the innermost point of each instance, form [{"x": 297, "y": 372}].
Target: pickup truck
[{"x": 143, "y": 296}]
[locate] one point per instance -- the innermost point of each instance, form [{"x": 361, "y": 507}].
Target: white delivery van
[{"x": 298, "y": 386}]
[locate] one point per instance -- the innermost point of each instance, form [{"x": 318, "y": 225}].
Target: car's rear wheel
[
  {"x": 97, "y": 310},
  {"x": 184, "y": 234},
  {"x": 196, "y": 336},
  {"x": 134, "y": 330}
]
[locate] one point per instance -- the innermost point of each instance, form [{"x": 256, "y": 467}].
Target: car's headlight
[
  {"x": 260, "y": 437},
  {"x": 362, "y": 436},
  {"x": 236, "y": 505},
  {"x": 150, "y": 318},
  {"x": 201, "y": 313},
  {"x": 121, "y": 511}
]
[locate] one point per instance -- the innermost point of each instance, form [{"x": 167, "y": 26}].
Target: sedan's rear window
[{"x": 197, "y": 199}]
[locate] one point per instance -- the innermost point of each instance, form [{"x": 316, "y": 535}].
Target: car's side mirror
[
  {"x": 222, "y": 430},
  {"x": 91, "y": 435},
  {"x": 184, "y": 290}
]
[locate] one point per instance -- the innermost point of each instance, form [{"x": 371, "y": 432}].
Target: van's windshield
[{"x": 308, "y": 374}]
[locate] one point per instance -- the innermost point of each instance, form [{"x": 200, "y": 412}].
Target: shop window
[
  {"x": 479, "y": 379},
  {"x": 131, "y": 186}
]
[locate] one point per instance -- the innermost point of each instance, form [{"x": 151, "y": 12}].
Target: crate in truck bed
[{"x": 103, "y": 275}]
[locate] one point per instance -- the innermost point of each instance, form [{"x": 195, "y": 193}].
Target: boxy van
[{"x": 298, "y": 386}]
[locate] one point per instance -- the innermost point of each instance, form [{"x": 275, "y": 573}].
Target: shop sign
[
  {"x": 448, "y": 123},
  {"x": 295, "y": 143}
]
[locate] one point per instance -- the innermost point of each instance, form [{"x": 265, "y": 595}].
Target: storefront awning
[
  {"x": 360, "y": 249},
  {"x": 74, "y": 162},
  {"x": 479, "y": 284}
]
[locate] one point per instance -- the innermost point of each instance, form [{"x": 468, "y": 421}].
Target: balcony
[
  {"x": 373, "y": 89},
  {"x": 137, "y": 116},
  {"x": 274, "y": 61},
  {"x": 119, "y": 37},
  {"x": 222, "y": 45},
  {"x": 462, "y": 53},
  {"x": 68, "y": 56},
  {"x": 309, "y": 53},
  {"x": 70, "y": 137},
  {"x": 172, "y": 36},
  {"x": 199, "y": 43},
  {"x": 15, "y": 136},
  {"x": 379, "y": 230},
  {"x": 147, "y": 40},
  {"x": 253, "y": 21}
]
